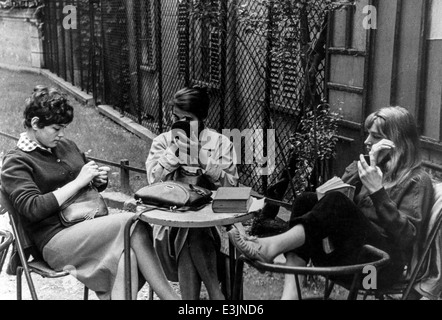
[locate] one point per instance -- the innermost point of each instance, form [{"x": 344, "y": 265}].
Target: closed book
[{"x": 232, "y": 199}]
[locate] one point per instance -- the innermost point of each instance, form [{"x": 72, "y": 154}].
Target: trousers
[{"x": 335, "y": 231}]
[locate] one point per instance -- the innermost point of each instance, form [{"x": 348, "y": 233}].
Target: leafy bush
[{"x": 314, "y": 144}]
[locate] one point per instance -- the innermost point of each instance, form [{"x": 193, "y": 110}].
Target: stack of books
[
  {"x": 336, "y": 184},
  {"x": 232, "y": 200}
]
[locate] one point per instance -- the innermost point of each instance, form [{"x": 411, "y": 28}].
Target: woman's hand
[
  {"x": 380, "y": 150},
  {"x": 103, "y": 176},
  {"x": 89, "y": 172},
  {"x": 190, "y": 146},
  {"x": 371, "y": 175}
]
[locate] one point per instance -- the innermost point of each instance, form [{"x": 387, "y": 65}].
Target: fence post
[{"x": 124, "y": 176}]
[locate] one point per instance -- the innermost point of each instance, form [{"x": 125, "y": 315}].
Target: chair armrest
[{"x": 382, "y": 258}]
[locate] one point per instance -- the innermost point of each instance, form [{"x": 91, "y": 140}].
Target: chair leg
[
  {"x": 127, "y": 262},
  {"x": 31, "y": 286},
  {"x": 238, "y": 280},
  {"x": 298, "y": 286},
  {"x": 86, "y": 293},
  {"x": 354, "y": 289},
  {"x": 328, "y": 289},
  {"x": 18, "y": 275},
  {"x": 150, "y": 293}
]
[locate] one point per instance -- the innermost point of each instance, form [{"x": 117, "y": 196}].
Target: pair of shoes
[{"x": 248, "y": 246}]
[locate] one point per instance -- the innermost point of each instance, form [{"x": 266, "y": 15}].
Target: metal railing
[{"x": 124, "y": 167}]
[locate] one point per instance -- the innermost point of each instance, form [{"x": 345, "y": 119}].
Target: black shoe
[{"x": 264, "y": 227}]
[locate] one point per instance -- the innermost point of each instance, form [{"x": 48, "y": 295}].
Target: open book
[{"x": 336, "y": 184}]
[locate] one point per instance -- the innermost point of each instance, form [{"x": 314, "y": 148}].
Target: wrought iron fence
[{"x": 134, "y": 55}]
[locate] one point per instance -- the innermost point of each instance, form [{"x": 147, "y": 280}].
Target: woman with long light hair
[
  {"x": 399, "y": 125},
  {"x": 393, "y": 198}
]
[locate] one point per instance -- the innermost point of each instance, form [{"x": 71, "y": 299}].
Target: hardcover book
[
  {"x": 232, "y": 199},
  {"x": 336, "y": 184}
]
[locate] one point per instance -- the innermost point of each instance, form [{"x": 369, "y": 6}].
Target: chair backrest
[
  {"x": 6, "y": 240},
  {"x": 428, "y": 268},
  {"x": 24, "y": 244}
]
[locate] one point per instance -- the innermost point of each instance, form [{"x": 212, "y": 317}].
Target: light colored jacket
[{"x": 218, "y": 149}]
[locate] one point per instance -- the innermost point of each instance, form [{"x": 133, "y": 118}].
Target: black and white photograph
[{"x": 228, "y": 153}]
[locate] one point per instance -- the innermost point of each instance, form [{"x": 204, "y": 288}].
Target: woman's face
[
  {"x": 49, "y": 136},
  {"x": 181, "y": 115},
  {"x": 374, "y": 136}
]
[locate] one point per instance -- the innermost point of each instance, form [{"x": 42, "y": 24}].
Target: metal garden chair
[
  {"x": 24, "y": 249},
  {"x": 369, "y": 256},
  {"x": 401, "y": 290},
  {"x": 421, "y": 268}
]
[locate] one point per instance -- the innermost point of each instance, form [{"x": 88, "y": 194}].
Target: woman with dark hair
[
  {"x": 190, "y": 255},
  {"x": 393, "y": 198},
  {"x": 41, "y": 174}
]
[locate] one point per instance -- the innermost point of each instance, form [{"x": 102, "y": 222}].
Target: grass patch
[{"x": 91, "y": 131}]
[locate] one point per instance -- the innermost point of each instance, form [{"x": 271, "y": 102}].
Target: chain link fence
[{"x": 134, "y": 55}]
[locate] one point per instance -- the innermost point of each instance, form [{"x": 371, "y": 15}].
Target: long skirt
[{"x": 90, "y": 251}]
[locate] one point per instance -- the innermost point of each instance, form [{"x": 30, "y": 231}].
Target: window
[
  {"x": 199, "y": 41},
  {"x": 286, "y": 78},
  {"x": 183, "y": 37}
]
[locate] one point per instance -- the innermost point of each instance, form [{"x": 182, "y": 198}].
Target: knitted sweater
[{"x": 29, "y": 179}]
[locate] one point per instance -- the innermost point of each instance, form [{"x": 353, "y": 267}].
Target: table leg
[
  {"x": 231, "y": 271},
  {"x": 127, "y": 264}
]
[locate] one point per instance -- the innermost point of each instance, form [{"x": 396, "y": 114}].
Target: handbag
[
  {"x": 197, "y": 179},
  {"x": 86, "y": 204},
  {"x": 174, "y": 196}
]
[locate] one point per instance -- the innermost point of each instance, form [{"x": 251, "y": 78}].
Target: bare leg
[
  {"x": 118, "y": 291},
  {"x": 290, "y": 291},
  {"x": 271, "y": 247},
  {"x": 190, "y": 281},
  {"x": 149, "y": 264},
  {"x": 204, "y": 256}
]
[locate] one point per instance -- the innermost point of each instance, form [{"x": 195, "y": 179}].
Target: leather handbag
[
  {"x": 197, "y": 179},
  {"x": 174, "y": 196},
  {"x": 86, "y": 204}
]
